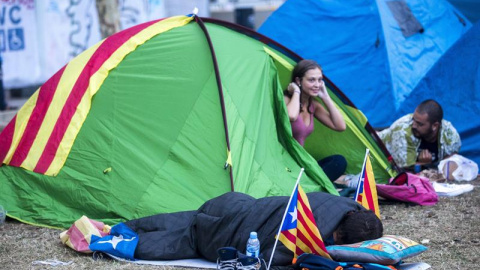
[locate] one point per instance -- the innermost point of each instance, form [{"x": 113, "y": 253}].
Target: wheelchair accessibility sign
[
  {"x": 12, "y": 32},
  {"x": 12, "y": 39},
  {"x": 16, "y": 40}
]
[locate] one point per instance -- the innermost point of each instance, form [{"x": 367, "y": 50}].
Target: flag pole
[
  {"x": 283, "y": 219},
  {"x": 361, "y": 174}
]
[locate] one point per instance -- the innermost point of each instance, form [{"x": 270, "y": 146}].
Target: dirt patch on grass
[{"x": 450, "y": 229}]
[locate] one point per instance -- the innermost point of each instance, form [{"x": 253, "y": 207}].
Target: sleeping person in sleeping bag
[{"x": 227, "y": 220}]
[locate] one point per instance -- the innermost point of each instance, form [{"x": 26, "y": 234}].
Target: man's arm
[
  {"x": 398, "y": 140},
  {"x": 450, "y": 142}
]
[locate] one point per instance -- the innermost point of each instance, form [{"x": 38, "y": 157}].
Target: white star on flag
[
  {"x": 115, "y": 240},
  {"x": 294, "y": 214}
]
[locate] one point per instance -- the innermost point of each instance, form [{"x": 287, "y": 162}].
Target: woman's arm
[
  {"x": 293, "y": 102},
  {"x": 331, "y": 116}
]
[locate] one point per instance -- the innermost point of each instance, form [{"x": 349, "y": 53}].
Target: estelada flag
[
  {"x": 366, "y": 193},
  {"x": 121, "y": 242},
  {"x": 299, "y": 231}
]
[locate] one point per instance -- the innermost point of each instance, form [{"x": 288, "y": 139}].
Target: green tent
[{"x": 162, "y": 117}]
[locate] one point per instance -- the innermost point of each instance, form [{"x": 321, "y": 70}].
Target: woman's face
[{"x": 311, "y": 82}]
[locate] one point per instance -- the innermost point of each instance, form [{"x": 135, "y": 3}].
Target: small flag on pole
[
  {"x": 366, "y": 193},
  {"x": 299, "y": 231}
]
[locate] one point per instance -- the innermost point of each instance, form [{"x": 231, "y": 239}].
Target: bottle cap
[{"x": 253, "y": 235}]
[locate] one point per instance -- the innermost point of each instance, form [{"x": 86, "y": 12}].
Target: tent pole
[{"x": 222, "y": 100}]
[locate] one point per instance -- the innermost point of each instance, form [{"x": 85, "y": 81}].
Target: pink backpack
[{"x": 408, "y": 187}]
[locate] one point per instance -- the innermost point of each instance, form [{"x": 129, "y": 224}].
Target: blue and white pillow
[{"x": 387, "y": 250}]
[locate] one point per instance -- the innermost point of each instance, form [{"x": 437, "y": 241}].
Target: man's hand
[{"x": 424, "y": 157}]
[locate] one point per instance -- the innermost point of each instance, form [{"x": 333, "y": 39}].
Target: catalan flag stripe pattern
[
  {"x": 367, "y": 192},
  {"x": 301, "y": 235},
  {"x": 40, "y": 137}
]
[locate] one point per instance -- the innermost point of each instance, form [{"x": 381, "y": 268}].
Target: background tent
[
  {"x": 454, "y": 81},
  {"x": 469, "y": 8},
  {"x": 375, "y": 51},
  {"x": 159, "y": 118}
]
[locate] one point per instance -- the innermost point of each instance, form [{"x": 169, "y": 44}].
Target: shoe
[
  {"x": 227, "y": 258},
  {"x": 351, "y": 180},
  {"x": 248, "y": 263}
]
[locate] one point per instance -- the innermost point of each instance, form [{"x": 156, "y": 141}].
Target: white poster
[
  {"x": 37, "y": 38},
  {"x": 18, "y": 43},
  {"x": 133, "y": 12},
  {"x": 66, "y": 29}
]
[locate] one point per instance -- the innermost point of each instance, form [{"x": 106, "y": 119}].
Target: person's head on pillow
[{"x": 358, "y": 226}]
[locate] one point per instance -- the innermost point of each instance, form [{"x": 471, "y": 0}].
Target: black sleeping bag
[{"x": 227, "y": 221}]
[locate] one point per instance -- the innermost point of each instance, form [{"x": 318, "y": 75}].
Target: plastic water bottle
[{"x": 253, "y": 245}]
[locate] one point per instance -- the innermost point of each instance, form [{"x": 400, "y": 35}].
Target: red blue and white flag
[
  {"x": 366, "y": 193},
  {"x": 121, "y": 242},
  {"x": 299, "y": 231}
]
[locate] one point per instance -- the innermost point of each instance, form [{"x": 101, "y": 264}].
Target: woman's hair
[
  {"x": 299, "y": 71},
  {"x": 358, "y": 226},
  {"x": 302, "y": 67}
]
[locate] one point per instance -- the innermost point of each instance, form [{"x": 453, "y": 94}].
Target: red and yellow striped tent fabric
[{"x": 40, "y": 137}]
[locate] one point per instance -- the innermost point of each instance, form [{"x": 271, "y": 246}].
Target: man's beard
[{"x": 420, "y": 136}]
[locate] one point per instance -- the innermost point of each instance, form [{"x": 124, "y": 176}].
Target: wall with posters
[
  {"x": 18, "y": 43},
  {"x": 38, "y": 37}
]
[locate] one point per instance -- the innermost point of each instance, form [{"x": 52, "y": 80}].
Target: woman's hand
[
  {"x": 292, "y": 88},
  {"x": 293, "y": 101},
  {"x": 330, "y": 116},
  {"x": 323, "y": 93}
]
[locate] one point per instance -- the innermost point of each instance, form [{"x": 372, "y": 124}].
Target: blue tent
[
  {"x": 454, "y": 81},
  {"x": 375, "y": 51},
  {"x": 469, "y": 8}
]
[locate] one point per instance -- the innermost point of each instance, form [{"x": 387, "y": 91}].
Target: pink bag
[{"x": 408, "y": 187}]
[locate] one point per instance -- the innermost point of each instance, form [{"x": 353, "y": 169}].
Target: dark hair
[
  {"x": 432, "y": 109},
  {"x": 299, "y": 71},
  {"x": 302, "y": 67},
  {"x": 358, "y": 226}
]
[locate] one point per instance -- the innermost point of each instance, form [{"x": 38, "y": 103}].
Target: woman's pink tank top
[{"x": 299, "y": 131}]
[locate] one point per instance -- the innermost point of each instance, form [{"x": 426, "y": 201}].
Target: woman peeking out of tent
[{"x": 307, "y": 83}]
